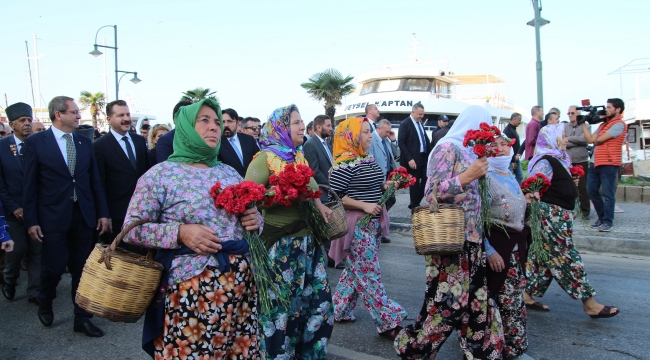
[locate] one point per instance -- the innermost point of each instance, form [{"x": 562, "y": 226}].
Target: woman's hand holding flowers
[
  {"x": 250, "y": 220},
  {"x": 530, "y": 196},
  {"x": 475, "y": 171}
]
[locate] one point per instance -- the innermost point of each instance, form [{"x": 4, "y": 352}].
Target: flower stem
[{"x": 365, "y": 220}]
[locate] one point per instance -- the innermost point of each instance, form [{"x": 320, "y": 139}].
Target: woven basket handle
[
  {"x": 110, "y": 250},
  {"x": 329, "y": 190},
  {"x": 433, "y": 206}
]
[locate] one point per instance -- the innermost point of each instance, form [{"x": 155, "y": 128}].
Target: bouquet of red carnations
[
  {"x": 236, "y": 199},
  {"x": 404, "y": 180},
  {"x": 576, "y": 173},
  {"x": 537, "y": 183},
  {"x": 481, "y": 141}
]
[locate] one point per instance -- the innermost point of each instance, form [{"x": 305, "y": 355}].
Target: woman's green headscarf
[{"x": 189, "y": 147}]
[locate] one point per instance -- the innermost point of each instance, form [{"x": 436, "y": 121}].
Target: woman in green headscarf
[{"x": 206, "y": 304}]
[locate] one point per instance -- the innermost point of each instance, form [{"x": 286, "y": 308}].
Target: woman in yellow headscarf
[{"x": 359, "y": 181}]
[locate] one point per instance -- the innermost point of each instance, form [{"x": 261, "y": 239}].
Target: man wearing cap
[
  {"x": 445, "y": 124},
  {"x": 11, "y": 194}
]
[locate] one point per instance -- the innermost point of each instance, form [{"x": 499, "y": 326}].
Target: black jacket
[
  {"x": 118, "y": 176},
  {"x": 409, "y": 142},
  {"x": 228, "y": 156}
]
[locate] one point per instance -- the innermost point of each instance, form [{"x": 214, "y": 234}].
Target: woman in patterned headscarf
[
  {"x": 359, "y": 182},
  {"x": 564, "y": 262},
  {"x": 302, "y": 329}
]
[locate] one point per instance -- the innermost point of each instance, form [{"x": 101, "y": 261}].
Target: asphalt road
[{"x": 563, "y": 333}]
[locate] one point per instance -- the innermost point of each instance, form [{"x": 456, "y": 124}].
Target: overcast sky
[{"x": 255, "y": 54}]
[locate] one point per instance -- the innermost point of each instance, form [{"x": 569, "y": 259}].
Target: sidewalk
[{"x": 630, "y": 234}]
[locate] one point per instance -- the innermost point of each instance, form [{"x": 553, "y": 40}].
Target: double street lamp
[
  {"x": 538, "y": 22},
  {"x": 96, "y": 53}
]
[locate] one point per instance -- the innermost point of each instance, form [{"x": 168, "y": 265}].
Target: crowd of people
[{"x": 62, "y": 192}]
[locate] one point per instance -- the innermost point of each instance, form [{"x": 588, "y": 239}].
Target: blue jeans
[
  {"x": 518, "y": 172},
  {"x": 605, "y": 177}
]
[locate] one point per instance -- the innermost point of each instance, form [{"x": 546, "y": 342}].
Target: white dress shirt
[
  {"x": 235, "y": 142},
  {"x": 327, "y": 150},
  {"x": 61, "y": 141},
  {"x": 119, "y": 137},
  {"x": 423, "y": 145},
  {"x": 19, "y": 142}
]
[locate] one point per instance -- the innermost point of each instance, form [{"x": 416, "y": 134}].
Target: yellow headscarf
[{"x": 346, "y": 140}]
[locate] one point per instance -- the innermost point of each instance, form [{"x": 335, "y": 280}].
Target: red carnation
[
  {"x": 577, "y": 171},
  {"x": 484, "y": 126},
  {"x": 479, "y": 150}
]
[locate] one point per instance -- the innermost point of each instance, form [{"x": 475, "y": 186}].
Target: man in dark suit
[
  {"x": 63, "y": 202},
  {"x": 165, "y": 145},
  {"x": 237, "y": 149},
  {"x": 318, "y": 153},
  {"x": 11, "y": 194},
  {"x": 413, "y": 145},
  {"x": 444, "y": 124},
  {"x": 121, "y": 159}
]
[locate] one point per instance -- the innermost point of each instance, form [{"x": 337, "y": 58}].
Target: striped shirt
[{"x": 359, "y": 180}]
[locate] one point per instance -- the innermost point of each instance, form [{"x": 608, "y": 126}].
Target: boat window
[
  {"x": 417, "y": 85},
  {"x": 367, "y": 87},
  {"x": 388, "y": 85}
]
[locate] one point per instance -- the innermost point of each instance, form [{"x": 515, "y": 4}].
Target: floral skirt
[
  {"x": 513, "y": 309},
  {"x": 456, "y": 297},
  {"x": 565, "y": 264},
  {"x": 212, "y": 316},
  {"x": 302, "y": 329},
  {"x": 363, "y": 277}
]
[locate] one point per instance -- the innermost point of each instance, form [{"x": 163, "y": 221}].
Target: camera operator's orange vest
[{"x": 611, "y": 151}]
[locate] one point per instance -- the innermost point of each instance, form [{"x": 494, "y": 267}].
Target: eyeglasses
[
  {"x": 3, "y": 133},
  {"x": 254, "y": 128},
  {"x": 571, "y": 113},
  {"x": 73, "y": 112}
]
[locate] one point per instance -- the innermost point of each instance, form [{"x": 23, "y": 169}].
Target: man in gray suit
[
  {"x": 318, "y": 153},
  {"x": 384, "y": 152}
]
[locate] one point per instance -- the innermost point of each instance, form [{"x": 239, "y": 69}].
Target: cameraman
[{"x": 607, "y": 160}]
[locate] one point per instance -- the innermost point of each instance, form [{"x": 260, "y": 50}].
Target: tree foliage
[
  {"x": 198, "y": 94},
  {"x": 95, "y": 102},
  {"x": 330, "y": 87}
]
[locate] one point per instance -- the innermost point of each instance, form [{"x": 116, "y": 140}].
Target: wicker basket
[
  {"x": 117, "y": 284},
  {"x": 438, "y": 229},
  {"x": 338, "y": 222}
]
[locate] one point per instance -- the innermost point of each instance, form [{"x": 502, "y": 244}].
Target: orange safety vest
[{"x": 611, "y": 151}]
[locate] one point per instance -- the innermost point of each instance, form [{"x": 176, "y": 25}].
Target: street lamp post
[
  {"x": 538, "y": 22},
  {"x": 96, "y": 53}
]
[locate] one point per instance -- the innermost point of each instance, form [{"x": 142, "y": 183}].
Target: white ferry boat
[{"x": 395, "y": 89}]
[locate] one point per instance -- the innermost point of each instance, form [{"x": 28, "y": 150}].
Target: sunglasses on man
[{"x": 254, "y": 128}]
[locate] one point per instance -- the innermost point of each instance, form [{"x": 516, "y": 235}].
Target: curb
[{"x": 590, "y": 243}]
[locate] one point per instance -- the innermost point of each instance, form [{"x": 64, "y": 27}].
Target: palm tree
[
  {"x": 198, "y": 94},
  {"x": 330, "y": 87},
  {"x": 95, "y": 102}
]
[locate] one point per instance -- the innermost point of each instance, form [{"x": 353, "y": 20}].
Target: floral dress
[
  {"x": 302, "y": 329},
  {"x": 456, "y": 294},
  {"x": 362, "y": 180},
  {"x": 208, "y": 314},
  {"x": 565, "y": 263}
]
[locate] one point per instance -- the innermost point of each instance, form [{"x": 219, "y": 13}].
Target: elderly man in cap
[
  {"x": 445, "y": 124},
  {"x": 11, "y": 194}
]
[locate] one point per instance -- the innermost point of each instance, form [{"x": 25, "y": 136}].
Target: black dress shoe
[
  {"x": 9, "y": 291},
  {"x": 385, "y": 240},
  {"x": 340, "y": 266},
  {"x": 33, "y": 300},
  {"x": 89, "y": 329},
  {"x": 46, "y": 316}
]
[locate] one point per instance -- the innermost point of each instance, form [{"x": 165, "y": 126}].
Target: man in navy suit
[
  {"x": 122, "y": 157},
  {"x": 237, "y": 149},
  {"x": 165, "y": 145},
  {"x": 11, "y": 194},
  {"x": 414, "y": 150},
  {"x": 63, "y": 202}
]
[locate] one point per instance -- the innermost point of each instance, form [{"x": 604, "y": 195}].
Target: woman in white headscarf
[
  {"x": 456, "y": 291},
  {"x": 506, "y": 249}
]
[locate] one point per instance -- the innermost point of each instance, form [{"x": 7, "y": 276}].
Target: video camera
[{"x": 594, "y": 114}]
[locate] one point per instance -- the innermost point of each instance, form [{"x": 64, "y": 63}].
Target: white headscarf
[{"x": 470, "y": 119}]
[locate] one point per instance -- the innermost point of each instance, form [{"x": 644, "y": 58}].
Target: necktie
[
  {"x": 423, "y": 142},
  {"x": 20, "y": 149},
  {"x": 372, "y": 127},
  {"x": 129, "y": 152},
  {"x": 72, "y": 160},
  {"x": 388, "y": 162},
  {"x": 327, "y": 150},
  {"x": 234, "y": 146}
]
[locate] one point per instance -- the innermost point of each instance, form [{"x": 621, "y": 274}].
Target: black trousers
[
  {"x": 583, "y": 195},
  {"x": 416, "y": 191},
  {"x": 23, "y": 246},
  {"x": 71, "y": 247}
]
